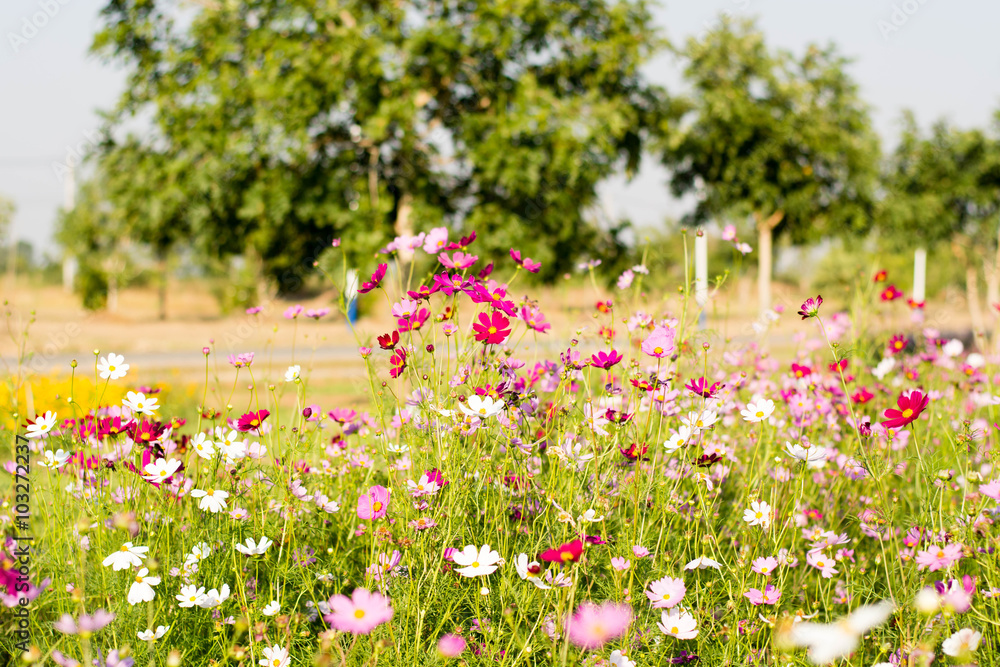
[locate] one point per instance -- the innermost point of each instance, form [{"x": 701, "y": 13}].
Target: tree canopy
[{"x": 277, "y": 125}]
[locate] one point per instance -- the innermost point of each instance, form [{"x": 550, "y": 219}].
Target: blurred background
[{"x": 167, "y": 164}]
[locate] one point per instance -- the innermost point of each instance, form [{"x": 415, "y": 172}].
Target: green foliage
[
  {"x": 764, "y": 132},
  {"x": 944, "y": 185},
  {"x": 280, "y": 125}
]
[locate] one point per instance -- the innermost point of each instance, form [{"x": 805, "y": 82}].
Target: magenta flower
[
  {"x": 451, "y": 646},
  {"x": 770, "y": 595},
  {"x": 535, "y": 319},
  {"x": 89, "y": 624},
  {"x": 765, "y": 565},
  {"x": 376, "y": 280},
  {"x": 660, "y": 343},
  {"x": 293, "y": 312},
  {"x": 911, "y": 404},
  {"x": 605, "y": 360},
  {"x": 527, "y": 263},
  {"x": 359, "y": 614},
  {"x": 374, "y": 504},
  {"x": 593, "y": 626},
  {"x": 436, "y": 240},
  {"x": 252, "y": 421},
  {"x": 253, "y": 310},
  {"x": 991, "y": 489},
  {"x": 810, "y": 307},
  {"x": 342, "y": 415},
  {"x": 405, "y": 309},
  {"x": 317, "y": 314}
]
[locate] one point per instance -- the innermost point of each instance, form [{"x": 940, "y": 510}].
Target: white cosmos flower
[
  {"x": 697, "y": 421},
  {"x": 483, "y": 407},
  {"x": 213, "y": 500},
  {"x": 807, "y": 454},
  {"x": 112, "y": 367},
  {"x": 619, "y": 659},
  {"x": 214, "y": 597},
  {"x": 191, "y": 596},
  {"x": 126, "y": 557},
  {"x": 422, "y": 487},
  {"x": 275, "y": 656},
  {"x": 953, "y": 348},
  {"x": 759, "y": 411},
  {"x": 962, "y": 644},
  {"x": 43, "y": 424},
  {"x": 476, "y": 561},
  {"x": 590, "y": 516},
  {"x": 292, "y": 374},
  {"x": 138, "y": 403},
  {"x": 142, "y": 587},
  {"x": 829, "y": 641},
  {"x": 202, "y": 446},
  {"x": 530, "y": 571},
  {"x": 55, "y": 460},
  {"x": 199, "y": 552},
  {"x": 161, "y": 469},
  {"x": 230, "y": 445},
  {"x": 271, "y": 609},
  {"x": 703, "y": 562},
  {"x": 149, "y": 635},
  {"x": 884, "y": 367},
  {"x": 678, "y": 439},
  {"x": 759, "y": 514},
  {"x": 254, "y": 549},
  {"x": 679, "y": 624},
  {"x": 976, "y": 360}
]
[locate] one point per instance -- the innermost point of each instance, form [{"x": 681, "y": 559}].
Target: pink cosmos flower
[
  {"x": 660, "y": 343},
  {"x": 666, "y": 592},
  {"x": 592, "y": 626},
  {"x": 374, "y": 504},
  {"x": 241, "y": 360},
  {"x": 640, "y": 551},
  {"x": 359, "y": 614},
  {"x": 458, "y": 260},
  {"x": 729, "y": 233},
  {"x": 770, "y": 595},
  {"x": 451, "y": 646},
  {"x": 765, "y": 565},
  {"x": 365, "y": 352},
  {"x": 436, "y": 240},
  {"x": 823, "y": 563},
  {"x": 405, "y": 309},
  {"x": 293, "y": 312},
  {"x": 991, "y": 489},
  {"x": 620, "y": 564},
  {"x": 939, "y": 558}
]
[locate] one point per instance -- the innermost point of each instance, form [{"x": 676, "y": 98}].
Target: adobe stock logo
[
  {"x": 31, "y": 25},
  {"x": 899, "y": 17}
]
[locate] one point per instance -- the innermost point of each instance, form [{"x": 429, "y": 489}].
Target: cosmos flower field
[{"x": 647, "y": 494}]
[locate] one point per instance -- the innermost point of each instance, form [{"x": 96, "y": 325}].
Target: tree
[
  {"x": 944, "y": 187},
  {"x": 787, "y": 141},
  {"x": 291, "y": 122}
]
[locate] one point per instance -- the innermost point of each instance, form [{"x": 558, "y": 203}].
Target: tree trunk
[{"x": 765, "y": 235}]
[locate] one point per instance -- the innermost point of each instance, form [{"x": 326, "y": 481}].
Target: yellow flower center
[
  {"x": 138, "y": 579},
  {"x": 111, "y": 368},
  {"x": 760, "y": 413},
  {"x": 657, "y": 350},
  {"x": 475, "y": 563},
  {"x": 377, "y": 506},
  {"x": 907, "y": 413},
  {"x": 359, "y": 613},
  {"x": 492, "y": 330},
  {"x": 674, "y": 630}
]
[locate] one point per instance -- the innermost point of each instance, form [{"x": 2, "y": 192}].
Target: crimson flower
[
  {"x": 566, "y": 553},
  {"x": 634, "y": 451},
  {"x": 862, "y": 395},
  {"x": 890, "y": 293},
  {"x": 398, "y": 363},
  {"x": 527, "y": 263},
  {"x": 916, "y": 305},
  {"x": 839, "y": 366},
  {"x": 810, "y": 308},
  {"x": 605, "y": 360},
  {"x": 423, "y": 292},
  {"x": 375, "y": 281},
  {"x": 880, "y": 276},
  {"x": 388, "y": 341},
  {"x": 491, "y": 329},
  {"x": 910, "y": 405},
  {"x": 700, "y": 387},
  {"x": 251, "y": 421}
]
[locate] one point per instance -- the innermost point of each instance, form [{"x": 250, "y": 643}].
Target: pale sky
[{"x": 942, "y": 61}]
